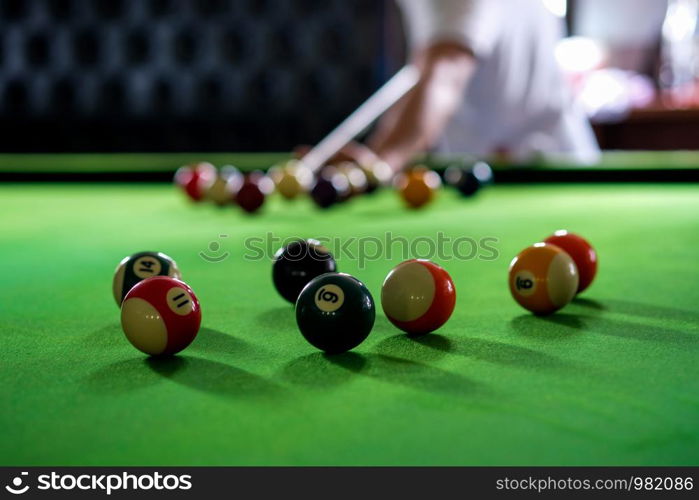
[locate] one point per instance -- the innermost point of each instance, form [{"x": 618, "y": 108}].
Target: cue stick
[{"x": 361, "y": 118}]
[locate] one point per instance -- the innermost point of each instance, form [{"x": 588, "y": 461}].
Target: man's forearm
[{"x": 417, "y": 121}]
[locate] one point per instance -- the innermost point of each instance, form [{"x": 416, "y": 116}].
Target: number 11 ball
[
  {"x": 160, "y": 316},
  {"x": 335, "y": 312},
  {"x": 543, "y": 278},
  {"x": 418, "y": 296}
]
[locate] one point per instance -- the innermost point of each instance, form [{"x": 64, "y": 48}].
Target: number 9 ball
[{"x": 335, "y": 312}]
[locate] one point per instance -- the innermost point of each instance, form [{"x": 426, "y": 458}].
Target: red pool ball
[
  {"x": 580, "y": 251},
  {"x": 196, "y": 179},
  {"x": 160, "y": 316},
  {"x": 418, "y": 296}
]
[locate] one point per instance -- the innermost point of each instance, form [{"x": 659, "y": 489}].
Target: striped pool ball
[
  {"x": 418, "y": 296},
  {"x": 139, "y": 266},
  {"x": 580, "y": 251},
  {"x": 160, "y": 316},
  {"x": 543, "y": 278}
]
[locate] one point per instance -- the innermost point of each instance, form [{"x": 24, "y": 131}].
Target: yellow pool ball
[{"x": 291, "y": 179}]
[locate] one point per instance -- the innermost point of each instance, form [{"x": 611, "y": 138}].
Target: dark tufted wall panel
[{"x": 115, "y": 75}]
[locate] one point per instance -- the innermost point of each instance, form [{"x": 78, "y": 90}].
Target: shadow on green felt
[
  {"x": 121, "y": 377},
  {"x": 109, "y": 336},
  {"x": 318, "y": 371},
  {"x": 555, "y": 327},
  {"x": 408, "y": 373},
  {"x": 614, "y": 327},
  {"x": 212, "y": 377},
  {"x": 382, "y": 326},
  {"x": 564, "y": 326},
  {"x": 278, "y": 318},
  {"x": 652, "y": 311},
  {"x": 434, "y": 346},
  {"x": 639, "y": 309},
  {"x": 425, "y": 348},
  {"x": 213, "y": 341},
  {"x": 589, "y": 304}
]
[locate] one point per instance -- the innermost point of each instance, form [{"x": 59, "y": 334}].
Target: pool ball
[
  {"x": 417, "y": 186},
  {"x": 543, "y": 278},
  {"x": 469, "y": 180},
  {"x": 140, "y": 266},
  {"x": 356, "y": 177},
  {"x": 160, "y": 316},
  {"x": 580, "y": 251},
  {"x": 291, "y": 179},
  {"x": 298, "y": 263},
  {"x": 418, "y": 296},
  {"x": 330, "y": 187},
  {"x": 234, "y": 179},
  {"x": 196, "y": 179},
  {"x": 253, "y": 191},
  {"x": 224, "y": 188},
  {"x": 335, "y": 312},
  {"x": 378, "y": 174}
]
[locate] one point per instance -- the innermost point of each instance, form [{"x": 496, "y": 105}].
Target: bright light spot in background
[
  {"x": 604, "y": 90},
  {"x": 681, "y": 20},
  {"x": 609, "y": 94},
  {"x": 578, "y": 54},
  {"x": 558, "y": 8}
]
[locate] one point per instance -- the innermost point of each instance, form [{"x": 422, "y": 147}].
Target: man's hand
[
  {"x": 414, "y": 123},
  {"x": 354, "y": 151}
]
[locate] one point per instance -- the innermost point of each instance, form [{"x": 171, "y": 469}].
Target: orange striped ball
[{"x": 543, "y": 278}]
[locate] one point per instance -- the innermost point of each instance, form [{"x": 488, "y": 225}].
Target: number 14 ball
[{"x": 139, "y": 266}]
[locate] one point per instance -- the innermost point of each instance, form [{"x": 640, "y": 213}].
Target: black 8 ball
[
  {"x": 335, "y": 312},
  {"x": 298, "y": 263}
]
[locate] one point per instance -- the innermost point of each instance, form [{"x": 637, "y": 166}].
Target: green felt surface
[{"x": 611, "y": 379}]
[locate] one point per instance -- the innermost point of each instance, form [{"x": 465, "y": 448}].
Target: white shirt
[{"x": 517, "y": 99}]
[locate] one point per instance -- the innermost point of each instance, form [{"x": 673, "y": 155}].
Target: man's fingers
[{"x": 353, "y": 151}]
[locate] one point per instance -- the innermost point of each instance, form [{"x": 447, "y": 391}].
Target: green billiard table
[{"x": 612, "y": 379}]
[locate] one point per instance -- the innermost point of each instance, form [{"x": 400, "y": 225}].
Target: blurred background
[{"x": 266, "y": 75}]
